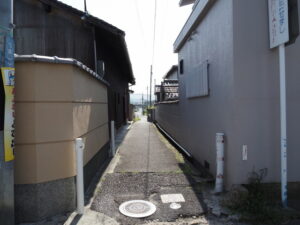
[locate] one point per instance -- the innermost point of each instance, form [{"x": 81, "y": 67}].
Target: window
[
  {"x": 101, "y": 68},
  {"x": 181, "y": 66},
  {"x": 197, "y": 81}
]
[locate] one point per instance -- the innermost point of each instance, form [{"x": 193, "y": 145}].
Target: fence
[{"x": 167, "y": 91}]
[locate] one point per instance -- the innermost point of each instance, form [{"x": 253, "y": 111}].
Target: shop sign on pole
[{"x": 278, "y": 22}]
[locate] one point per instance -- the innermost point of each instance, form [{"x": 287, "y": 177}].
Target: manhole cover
[{"x": 137, "y": 208}]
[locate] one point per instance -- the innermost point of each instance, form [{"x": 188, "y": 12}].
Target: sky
[{"x": 136, "y": 18}]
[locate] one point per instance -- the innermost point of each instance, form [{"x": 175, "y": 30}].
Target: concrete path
[
  {"x": 147, "y": 168},
  {"x": 143, "y": 151}
]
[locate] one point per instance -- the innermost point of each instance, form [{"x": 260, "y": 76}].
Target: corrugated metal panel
[{"x": 197, "y": 81}]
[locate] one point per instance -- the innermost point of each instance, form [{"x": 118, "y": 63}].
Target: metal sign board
[{"x": 278, "y": 22}]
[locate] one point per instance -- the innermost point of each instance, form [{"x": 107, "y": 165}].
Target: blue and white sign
[
  {"x": 9, "y": 51},
  {"x": 278, "y": 22}
]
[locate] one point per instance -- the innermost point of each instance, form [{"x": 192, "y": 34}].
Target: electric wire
[
  {"x": 153, "y": 49},
  {"x": 154, "y": 31},
  {"x": 140, "y": 22}
]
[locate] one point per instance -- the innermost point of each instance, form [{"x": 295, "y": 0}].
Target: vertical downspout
[
  {"x": 220, "y": 163},
  {"x": 95, "y": 50}
]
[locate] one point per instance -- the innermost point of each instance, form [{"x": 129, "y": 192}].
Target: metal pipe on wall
[
  {"x": 95, "y": 50},
  {"x": 220, "y": 163},
  {"x": 112, "y": 136},
  {"x": 79, "y": 147},
  {"x": 283, "y": 133}
]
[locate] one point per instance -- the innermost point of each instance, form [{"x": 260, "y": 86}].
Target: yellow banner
[{"x": 8, "y": 77}]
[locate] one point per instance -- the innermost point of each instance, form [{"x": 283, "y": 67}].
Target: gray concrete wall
[
  {"x": 256, "y": 94},
  {"x": 194, "y": 122}
]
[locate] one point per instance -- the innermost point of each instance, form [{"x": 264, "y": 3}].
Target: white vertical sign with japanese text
[{"x": 278, "y": 22}]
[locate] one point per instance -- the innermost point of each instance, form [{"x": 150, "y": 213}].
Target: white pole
[
  {"x": 283, "y": 125},
  {"x": 220, "y": 163},
  {"x": 12, "y": 14},
  {"x": 79, "y": 146},
  {"x": 112, "y": 135}
]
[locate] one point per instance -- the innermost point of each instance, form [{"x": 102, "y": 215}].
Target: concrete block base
[{"x": 35, "y": 202}]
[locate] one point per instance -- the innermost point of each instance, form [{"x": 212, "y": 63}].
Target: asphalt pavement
[{"x": 147, "y": 168}]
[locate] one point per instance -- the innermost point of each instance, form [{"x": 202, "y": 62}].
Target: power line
[
  {"x": 154, "y": 31},
  {"x": 140, "y": 22},
  {"x": 153, "y": 50}
]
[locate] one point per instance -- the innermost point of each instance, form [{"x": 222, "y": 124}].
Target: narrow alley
[
  {"x": 127, "y": 112},
  {"x": 146, "y": 167}
]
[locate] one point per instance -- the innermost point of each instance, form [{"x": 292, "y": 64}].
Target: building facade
[
  {"x": 72, "y": 77},
  {"x": 229, "y": 82},
  {"x": 52, "y": 28}
]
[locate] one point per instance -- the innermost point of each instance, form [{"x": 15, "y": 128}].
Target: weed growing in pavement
[
  {"x": 258, "y": 204},
  {"x": 136, "y": 119}
]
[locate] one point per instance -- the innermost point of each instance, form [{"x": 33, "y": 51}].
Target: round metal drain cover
[{"x": 137, "y": 208}]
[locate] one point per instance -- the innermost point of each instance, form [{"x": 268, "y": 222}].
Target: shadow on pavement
[{"x": 76, "y": 219}]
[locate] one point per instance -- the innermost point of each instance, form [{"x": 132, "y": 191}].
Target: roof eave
[
  {"x": 94, "y": 20},
  {"x": 198, "y": 13},
  {"x": 125, "y": 49},
  {"x": 99, "y": 24},
  {"x": 171, "y": 70},
  {"x": 186, "y": 2}
]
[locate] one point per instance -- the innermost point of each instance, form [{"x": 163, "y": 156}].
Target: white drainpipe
[
  {"x": 220, "y": 162},
  {"x": 79, "y": 147}
]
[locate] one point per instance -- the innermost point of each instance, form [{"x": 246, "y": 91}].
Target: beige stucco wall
[{"x": 56, "y": 103}]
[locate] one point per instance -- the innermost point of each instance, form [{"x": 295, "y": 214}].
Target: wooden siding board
[{"x": 52, "y": 34}]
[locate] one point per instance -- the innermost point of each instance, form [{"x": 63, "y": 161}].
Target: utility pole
[
  {"x": 151, "y": 86},
  {"x": 154, "y": 90},
  {"x": 147, "y": 97},
  {"x": 6, "y": 108},
  {"x": 85, "y": 9}
]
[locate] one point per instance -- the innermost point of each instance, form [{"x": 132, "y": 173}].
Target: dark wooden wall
[
  {"x": 56, "y": 32},
  {"x": 118, "y": 91},
  {"x": 52, "y": 32}
]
